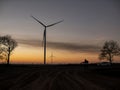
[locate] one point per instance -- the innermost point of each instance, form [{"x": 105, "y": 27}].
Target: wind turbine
[
  {"x": 44, "y": 34},
  {"x": 52, "y": 56}
]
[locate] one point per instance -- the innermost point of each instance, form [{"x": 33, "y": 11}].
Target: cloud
[
  {"x": 33, "y": 43},
  {"x": 62, "y": 46},
  {"x": 73, "y": 47}
]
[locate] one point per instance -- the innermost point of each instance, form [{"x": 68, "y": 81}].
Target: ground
[{"x": 59, "y": 77}]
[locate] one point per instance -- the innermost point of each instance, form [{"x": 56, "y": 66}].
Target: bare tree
[
  {"x": 7, "y": 46},
  {"x": 2, "y": 53},
  {"x": 109, "y": 50}
]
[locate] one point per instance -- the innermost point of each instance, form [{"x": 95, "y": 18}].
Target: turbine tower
[{"x": 44, "y": 34}]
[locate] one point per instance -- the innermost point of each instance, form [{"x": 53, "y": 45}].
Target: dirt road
[{"x": 53, "y": 79}]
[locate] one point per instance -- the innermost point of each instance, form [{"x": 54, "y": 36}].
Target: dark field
[{"x": 59, "y": 77}]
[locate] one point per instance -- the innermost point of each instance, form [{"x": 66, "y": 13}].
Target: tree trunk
[
  {"x": 8, "y": 59},
  {"x": 110, "y": 58}
]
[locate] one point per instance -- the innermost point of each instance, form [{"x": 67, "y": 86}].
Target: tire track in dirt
[
  {"x": 103, "y": 81},
  {"x": 10, "y": 80},
  {"x": 66, "y": 81},
  {"x": 88, "y": 85},
  {"x": 27, "y": 79},
  {"x": 48, "y": 81},
  {"x": 62, "y": 81},
  {"x": 38, "y": 83}
]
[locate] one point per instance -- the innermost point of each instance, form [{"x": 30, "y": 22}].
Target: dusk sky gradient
[{"x": 87, "y": 25}]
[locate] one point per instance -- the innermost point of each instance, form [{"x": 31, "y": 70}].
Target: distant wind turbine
[
  {"x": 44, "y": 34},
  {"x": 52, "y": 56}
]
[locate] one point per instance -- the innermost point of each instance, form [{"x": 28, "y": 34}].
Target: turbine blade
[
  {"x": 54, "y": 23},
  {"x": 38, "y": 21}
]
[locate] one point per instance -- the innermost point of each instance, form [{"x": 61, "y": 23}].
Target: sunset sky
[{"x": 87, "y": 25}]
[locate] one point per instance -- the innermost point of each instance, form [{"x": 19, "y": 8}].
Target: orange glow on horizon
[
  {"x": 34, "y": 55},
  {"x": 23, "y": 54}
]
